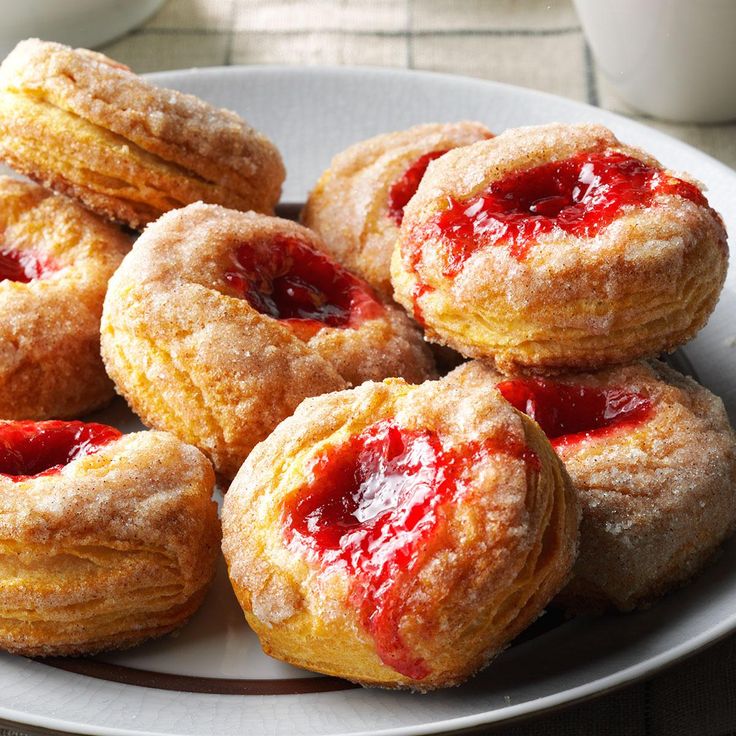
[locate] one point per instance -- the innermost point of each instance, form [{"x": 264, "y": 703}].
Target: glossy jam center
[
  {"x": 405, "y": 187},
  {"x": 29, "y": 449},
  {"x": 568, "y": 414},
  {"x": 374, "y": 507},
  {"x": 22, "y": 266},
  {"x": 580, "y": 196},
  {"x": 286, "y": 279}
]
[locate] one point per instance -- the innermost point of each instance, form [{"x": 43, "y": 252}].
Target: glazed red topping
[
  {"x": 374, "y": 506},
  {"x": 286, "y": 279},
  {"x": 31, "y": 449},
  {"x": 23, "y": 266},
  {"x": 580, "y": 195},
  {"x": 568, "y": 414},
  {"x": 405, "y": 187}
]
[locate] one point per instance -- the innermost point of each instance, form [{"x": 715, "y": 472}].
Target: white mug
[
  {"x": 74, "y": 22},
  {"x": 673, "y": 59}
]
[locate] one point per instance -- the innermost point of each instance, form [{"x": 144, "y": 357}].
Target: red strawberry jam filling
[
  {"x": 568, "y": 414},
  {"x": 31, "y": 449},
  {"x": 22, "y": 266},
  {"x": 286, "y": 279},
  {"x": 405, "y": 187},
  {"x": 375, "y": 507},
  {"x": 580, "y": 196}
]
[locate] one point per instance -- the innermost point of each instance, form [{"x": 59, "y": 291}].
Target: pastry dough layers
[
  {"x": 78, "y": 122},
  {"x": 50, "y": 362},
  {"x": 657, "y": 500},
  {"x": 658, "y": 494},
  {"x": 349, "y": 206},
  {"x": 506, "y": 546},
  {"x": 117, "y": 547},
  {"x": 644, "y": 284},
  {"x": 192, "y": 357}
]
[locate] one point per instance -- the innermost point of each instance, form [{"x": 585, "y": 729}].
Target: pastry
[
  {"x": 399, "y": 535},
  {"x": 219, "y": 323},
  {"x": 358, "y": 203},
  {"x": 55, "y": 262},
  {"x": 653, "y": 460},
  {"x": 557, "y": 248},
  {"x": 105, "y": 541},
  {"x": 86, "y": 126}
]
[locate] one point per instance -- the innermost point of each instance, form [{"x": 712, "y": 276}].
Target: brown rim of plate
[
  {"x": 195, "y": 684},
  {"x": 240, "y": 686}
]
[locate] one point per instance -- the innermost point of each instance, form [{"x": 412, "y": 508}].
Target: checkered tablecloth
[{"x": 533, "y": 43}]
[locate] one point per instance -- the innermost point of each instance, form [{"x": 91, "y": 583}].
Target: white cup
[
  {"x": 674, "y": 59},
  {"x": 74, "y": 22}
]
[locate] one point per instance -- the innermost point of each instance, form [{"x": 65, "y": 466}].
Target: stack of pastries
[{"x": 383, "y": 522}]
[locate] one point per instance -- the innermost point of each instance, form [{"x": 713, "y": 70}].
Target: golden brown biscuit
[
  {"x": 85, "y": 125},
  {"x": 55, "y": 262},
  {"x": 653, "y": 460},
  {"x": 399, "y": 535},
  {"x": 105, "y": 541},
  {"x": 219, "y": 323},
  {"x": 358, "y": 203},
  {"x": 556, "y": 247}
]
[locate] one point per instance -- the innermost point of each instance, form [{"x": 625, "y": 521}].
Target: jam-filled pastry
[
  {"x": 399, "y": 535},
  {"x": 85, "y": 125},
  {"x": 219, "y": 323},
  {"x": 358, "y": 203},
  {"x": 653, "y": 460},
  {"x": 105, "y": 540},
  {"x": 55, "y": 262},
  {"x": 557, "y": 247}
]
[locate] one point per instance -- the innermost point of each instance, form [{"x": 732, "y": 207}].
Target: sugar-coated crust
[
  {"x": 510, "y": 543},
  {"x": 50, "y": 363},
  {"x": 80, "y": 123},
  {"x": 643, "y": 285},
  {"x": 118, "y": 547},
  {"x": 193, "y": 358},
  {"x": 348, "y": 206},
  {"x": 658, "y": 498}
]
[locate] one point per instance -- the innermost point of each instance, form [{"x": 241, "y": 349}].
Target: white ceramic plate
[{"x": 213, "y": 678}]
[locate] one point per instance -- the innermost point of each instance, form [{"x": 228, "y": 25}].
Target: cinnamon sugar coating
[
  {"x": 643, "y": 285},
  {"x": 118, "y": 547},
  {"x": 193, "y": 357},
  {"x": 658, "y": 498},
  {"x": 507, "y": 543},
  {"x": 50, "y": 365},
  {"x": 82, "y": 124},
  {"x": 349, "y": 206}
]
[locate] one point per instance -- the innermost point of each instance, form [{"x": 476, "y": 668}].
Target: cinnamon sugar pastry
[
  {"x": 105, "y": 541},
  {"x": 85, "y": 125},
  {"x": 219, "y": 323},
  {"x": 653, "y": 460},
  {"x": 358, "y": 203},
  {"x": 399, "y": 535},
  {"x": 557, "y": 247},
  {"x": 55, "y": 262}
]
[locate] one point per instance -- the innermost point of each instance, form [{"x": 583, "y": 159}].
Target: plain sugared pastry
[
  {"x": 55, "y": 261},
  {"x": 219, "y": 323},
  {"x": 82, "y": 124},
  {"x": 653, "y": 459},
  {"x": 105, "y": 540},
  {"x": 358, "y": 203},
  {"x": 556, "y": 247},
  {"x": 399, "y": 535}
]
